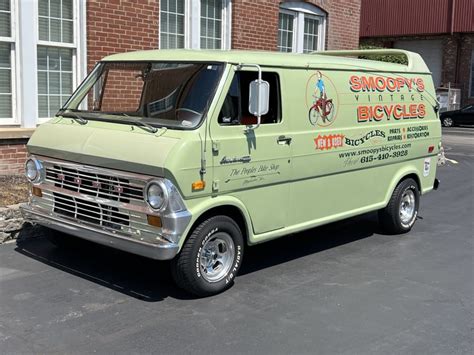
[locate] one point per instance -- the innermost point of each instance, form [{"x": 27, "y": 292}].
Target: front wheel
[
  {"x": 210, "y": 257},
  {"x": 402, "y": 210}
]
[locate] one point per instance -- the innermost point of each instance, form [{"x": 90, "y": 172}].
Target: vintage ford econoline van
[{"x": 193, "y": 155}]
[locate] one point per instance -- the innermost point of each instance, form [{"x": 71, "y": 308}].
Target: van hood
[{"x": 104, "y": 144}]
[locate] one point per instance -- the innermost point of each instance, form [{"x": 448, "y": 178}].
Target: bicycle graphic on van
[{"x": 322, "y": 107}]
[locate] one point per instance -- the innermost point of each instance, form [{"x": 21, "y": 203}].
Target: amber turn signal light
[
  {"x": 154, "y": 221},
  {"x": 36, "y": 191},
  {"x": 198, "y": 185}
]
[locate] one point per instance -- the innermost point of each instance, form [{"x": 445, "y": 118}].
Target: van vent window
[{"x": 235, "y": 109}]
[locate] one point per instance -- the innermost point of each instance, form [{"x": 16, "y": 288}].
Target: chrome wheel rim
[
  {"x": 448, "y": 122},
  {"x": 217, "y": 257},
  {"x": 407, "y": 206}
]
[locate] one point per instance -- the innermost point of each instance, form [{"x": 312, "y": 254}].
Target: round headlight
[
  {"x": 156, "y": 195},
  {"x": 31, "y": 170}
]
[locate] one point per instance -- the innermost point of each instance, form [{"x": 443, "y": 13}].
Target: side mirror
[{"x": 259, "y": 96}]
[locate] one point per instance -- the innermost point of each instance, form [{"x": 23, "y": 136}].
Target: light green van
[{"x": 195, "y": 155}]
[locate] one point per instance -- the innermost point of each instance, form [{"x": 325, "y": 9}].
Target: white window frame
[
  {"x": 192, "y": 24},
  {"x": 76, "y": 50},
  {"x": 14, "y": 120},
  {"x": 301, "y": 10},
  {"x": 295, "y": 23}
]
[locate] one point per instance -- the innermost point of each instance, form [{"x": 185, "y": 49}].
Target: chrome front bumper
[{"x": 157, "y": 251}]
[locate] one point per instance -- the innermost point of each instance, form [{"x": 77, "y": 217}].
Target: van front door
[{"x": 253, "y": 165}]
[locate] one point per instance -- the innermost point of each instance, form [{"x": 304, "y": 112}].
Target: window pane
[
  {"x": 235, "y": 110},
  {"x": 310, "y": 41},
  {"x": 67, "y": 9},
  {"x": 55, "y": 21},
  {"x": 211, "y": 24},
  {"x": 66, "y": 59},
  {"x": 55, "y": 30},
  {"x": 66, "y": 84},
  {"x": 55, "y": 8},
  {"x": 5, "y": 81},
  {"x": 68, "y": 32},
  {"x": 5, "y": 55},
  {"x": 5, "y": 24},
  {"x": 43, "y": 106},
  {"x": 43, "y": 27},
  {"x": 4, "y": 5},
  {"x": 55, "y": 80},
  {"x": 54, "y": 104},
  {"x": 6, "y": 106},
  {"x": 43, "y": 7},
  {"x": 172, "y": 24},
  {"x": 285, "y": 32},
  {"x": 42, "y": 83}
]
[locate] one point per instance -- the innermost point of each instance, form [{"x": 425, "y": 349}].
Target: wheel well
[
  {"x": 414, "y": 177},
  {"x": 228, "y": 210}
]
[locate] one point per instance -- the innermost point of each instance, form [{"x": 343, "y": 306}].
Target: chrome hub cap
[
  {"x": 448, "y": 122},
  {"x": 217, "y": 257},
  {"x": 407, "y": 206}
]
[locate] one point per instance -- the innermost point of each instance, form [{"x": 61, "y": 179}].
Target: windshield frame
[{"x": 78, "y": 96}]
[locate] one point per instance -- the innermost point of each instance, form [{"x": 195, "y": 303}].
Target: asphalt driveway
[{"x": 342, "y": 288}]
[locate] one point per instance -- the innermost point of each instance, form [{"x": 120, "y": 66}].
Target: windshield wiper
[
  {"x": 139, "y": 123},
  {"x": 79, "y": 119}
]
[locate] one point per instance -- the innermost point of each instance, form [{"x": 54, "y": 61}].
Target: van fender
[
  {"x": 210, "y": 203},
  {"x": 399, "y": 176}
]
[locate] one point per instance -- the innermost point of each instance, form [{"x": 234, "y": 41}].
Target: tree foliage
[{"x": 390, "y": 58}]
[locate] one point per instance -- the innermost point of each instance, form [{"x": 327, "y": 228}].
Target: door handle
[{"x": 284, "y": 140}]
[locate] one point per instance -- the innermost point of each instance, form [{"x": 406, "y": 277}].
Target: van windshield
[{"x": 158, "y": 94}]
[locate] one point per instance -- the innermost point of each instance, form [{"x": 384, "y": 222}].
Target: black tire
[
  {"x": 186, "y": 267},
  {"x": 391, "y": 218},
  {"x": 448, "y": 122},
  {"x": 60, "y": 239}
]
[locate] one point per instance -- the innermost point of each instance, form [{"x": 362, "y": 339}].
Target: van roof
[{"x": 345, "y": 60}]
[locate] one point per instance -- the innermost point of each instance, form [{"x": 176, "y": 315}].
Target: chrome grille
[
  {"x": 94, "y": 184},
  {"x": 91, "y": 212}
]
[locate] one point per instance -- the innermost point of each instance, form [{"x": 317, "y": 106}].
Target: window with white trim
[
  {"x": 301, "y": 28},
  {"x": 7, "y": 61},
  {"x": 197, "y": 24},
  {"x": 55, "y": 54}
]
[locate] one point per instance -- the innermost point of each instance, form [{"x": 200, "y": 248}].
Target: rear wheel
[
  {"x": 402, "y": 210},
  {"x": 448, "y": 122},
  {"x": 210, "y": 258}
]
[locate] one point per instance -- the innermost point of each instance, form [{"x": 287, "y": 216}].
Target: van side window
[{"x": 235, "y": 110}]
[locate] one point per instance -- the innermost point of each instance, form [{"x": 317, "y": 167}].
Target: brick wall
[
  {"x": 12, "y": 157},
  {"x": 115, "y": 26},
  {"x": 255, "y": 23}
]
